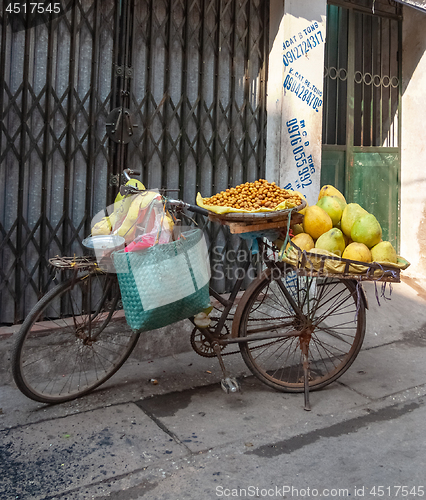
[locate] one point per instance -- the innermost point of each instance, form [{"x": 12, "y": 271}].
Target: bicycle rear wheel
[
  {"x": 73, "y": 340},
  {"x": 284, "y": 304}
]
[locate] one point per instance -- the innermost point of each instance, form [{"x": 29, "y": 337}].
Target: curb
[{"x": 167, "y": 341}]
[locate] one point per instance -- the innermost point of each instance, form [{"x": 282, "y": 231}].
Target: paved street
[{"x": 184, "y": 438}]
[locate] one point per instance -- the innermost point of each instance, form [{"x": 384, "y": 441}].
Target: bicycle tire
[
  {"x": 73, "y": 340},
  {"x": 333, "y": 307}
]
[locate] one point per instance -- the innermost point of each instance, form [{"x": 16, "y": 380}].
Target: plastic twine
[
  {"x": 383, "y": 287},
  {"x": 382, "y": 291},
  {"x": 287, "y": 237}
]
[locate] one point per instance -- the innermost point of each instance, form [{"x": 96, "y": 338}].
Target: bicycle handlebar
[
  {"x": 192, "y": 208},
  {"x": 198, "y": 210}
]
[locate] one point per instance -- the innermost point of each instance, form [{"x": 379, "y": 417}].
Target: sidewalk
[{"x": 185, "y": 438}]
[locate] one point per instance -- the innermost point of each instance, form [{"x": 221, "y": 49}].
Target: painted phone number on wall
[
  {"x": 304, "y": 46},
  {"x": 302, "y": 92}
]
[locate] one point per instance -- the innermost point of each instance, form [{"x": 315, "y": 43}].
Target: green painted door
[
  {"x": 333, "y": 169},
  {"x": 361, "y": 131},
  {"x": 373, "y": 184}
]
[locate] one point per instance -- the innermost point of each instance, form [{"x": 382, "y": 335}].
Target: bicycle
[{"x": 295, "y": 333}]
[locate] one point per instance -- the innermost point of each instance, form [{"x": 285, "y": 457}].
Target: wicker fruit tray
[
  {"x": 240, "y": 222},
  {"x": 309, "y": 263}
]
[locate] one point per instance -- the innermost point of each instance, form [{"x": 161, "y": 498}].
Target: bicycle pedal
[{"x": 230, "y": 384}]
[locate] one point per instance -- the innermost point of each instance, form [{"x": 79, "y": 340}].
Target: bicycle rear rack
[{"x": 85, "y": 263}]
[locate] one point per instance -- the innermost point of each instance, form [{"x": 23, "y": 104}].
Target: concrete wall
[
  {"x": 295, "y": 85},
  {"x": 413, "y": 160}
]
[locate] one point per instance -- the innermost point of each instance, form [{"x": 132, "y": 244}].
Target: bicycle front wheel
[
  {"x": 73, "y": 340},
  {"x": 287, "y": 304}
]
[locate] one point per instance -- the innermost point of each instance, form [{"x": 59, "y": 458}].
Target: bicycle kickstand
[
  {"x": 228, "y": 383},
  {"x": 306, "y": 382}
]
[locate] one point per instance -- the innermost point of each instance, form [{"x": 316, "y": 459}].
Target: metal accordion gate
[{"x": 187, "y": 78}]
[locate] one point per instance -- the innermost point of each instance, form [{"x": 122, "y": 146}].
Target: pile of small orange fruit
[{"x": 253, "y": 196}]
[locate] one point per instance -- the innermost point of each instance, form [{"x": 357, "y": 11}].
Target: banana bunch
[
  {"x": 129, "y": 211},
  {"x": 111, "y": 222},
  {"x": 102, "y": 227},
  {"x": 138, "y": 204}
]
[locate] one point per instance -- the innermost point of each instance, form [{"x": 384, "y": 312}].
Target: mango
[
  {"x": 350, "y": 214},
  {"x": 297, "y": 229},
  {"x": 367, "y": 230},
  {"x": 332, "y": 241},
  {"x": 303, "y": 241},
  {"x": 357, "y": 251},
  {"x": 329, "y": 190},
  {"x": 316, "y": 221},
  {"x": 303, "y": 211},
  {"x": 334, "y": 206},
  {"x": 347, "y": 238},
  {"x": 384, "y": 252}
]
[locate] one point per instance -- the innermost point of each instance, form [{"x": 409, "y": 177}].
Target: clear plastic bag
[
  {"x": 132, "y": 223},
  {"x": 157, "y": 231}
]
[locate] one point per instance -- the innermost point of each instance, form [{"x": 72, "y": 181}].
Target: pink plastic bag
[{"x": 148, "y": 240}]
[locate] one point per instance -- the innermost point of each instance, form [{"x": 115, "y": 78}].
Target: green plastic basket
[{"x": 165, "y": 283}]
